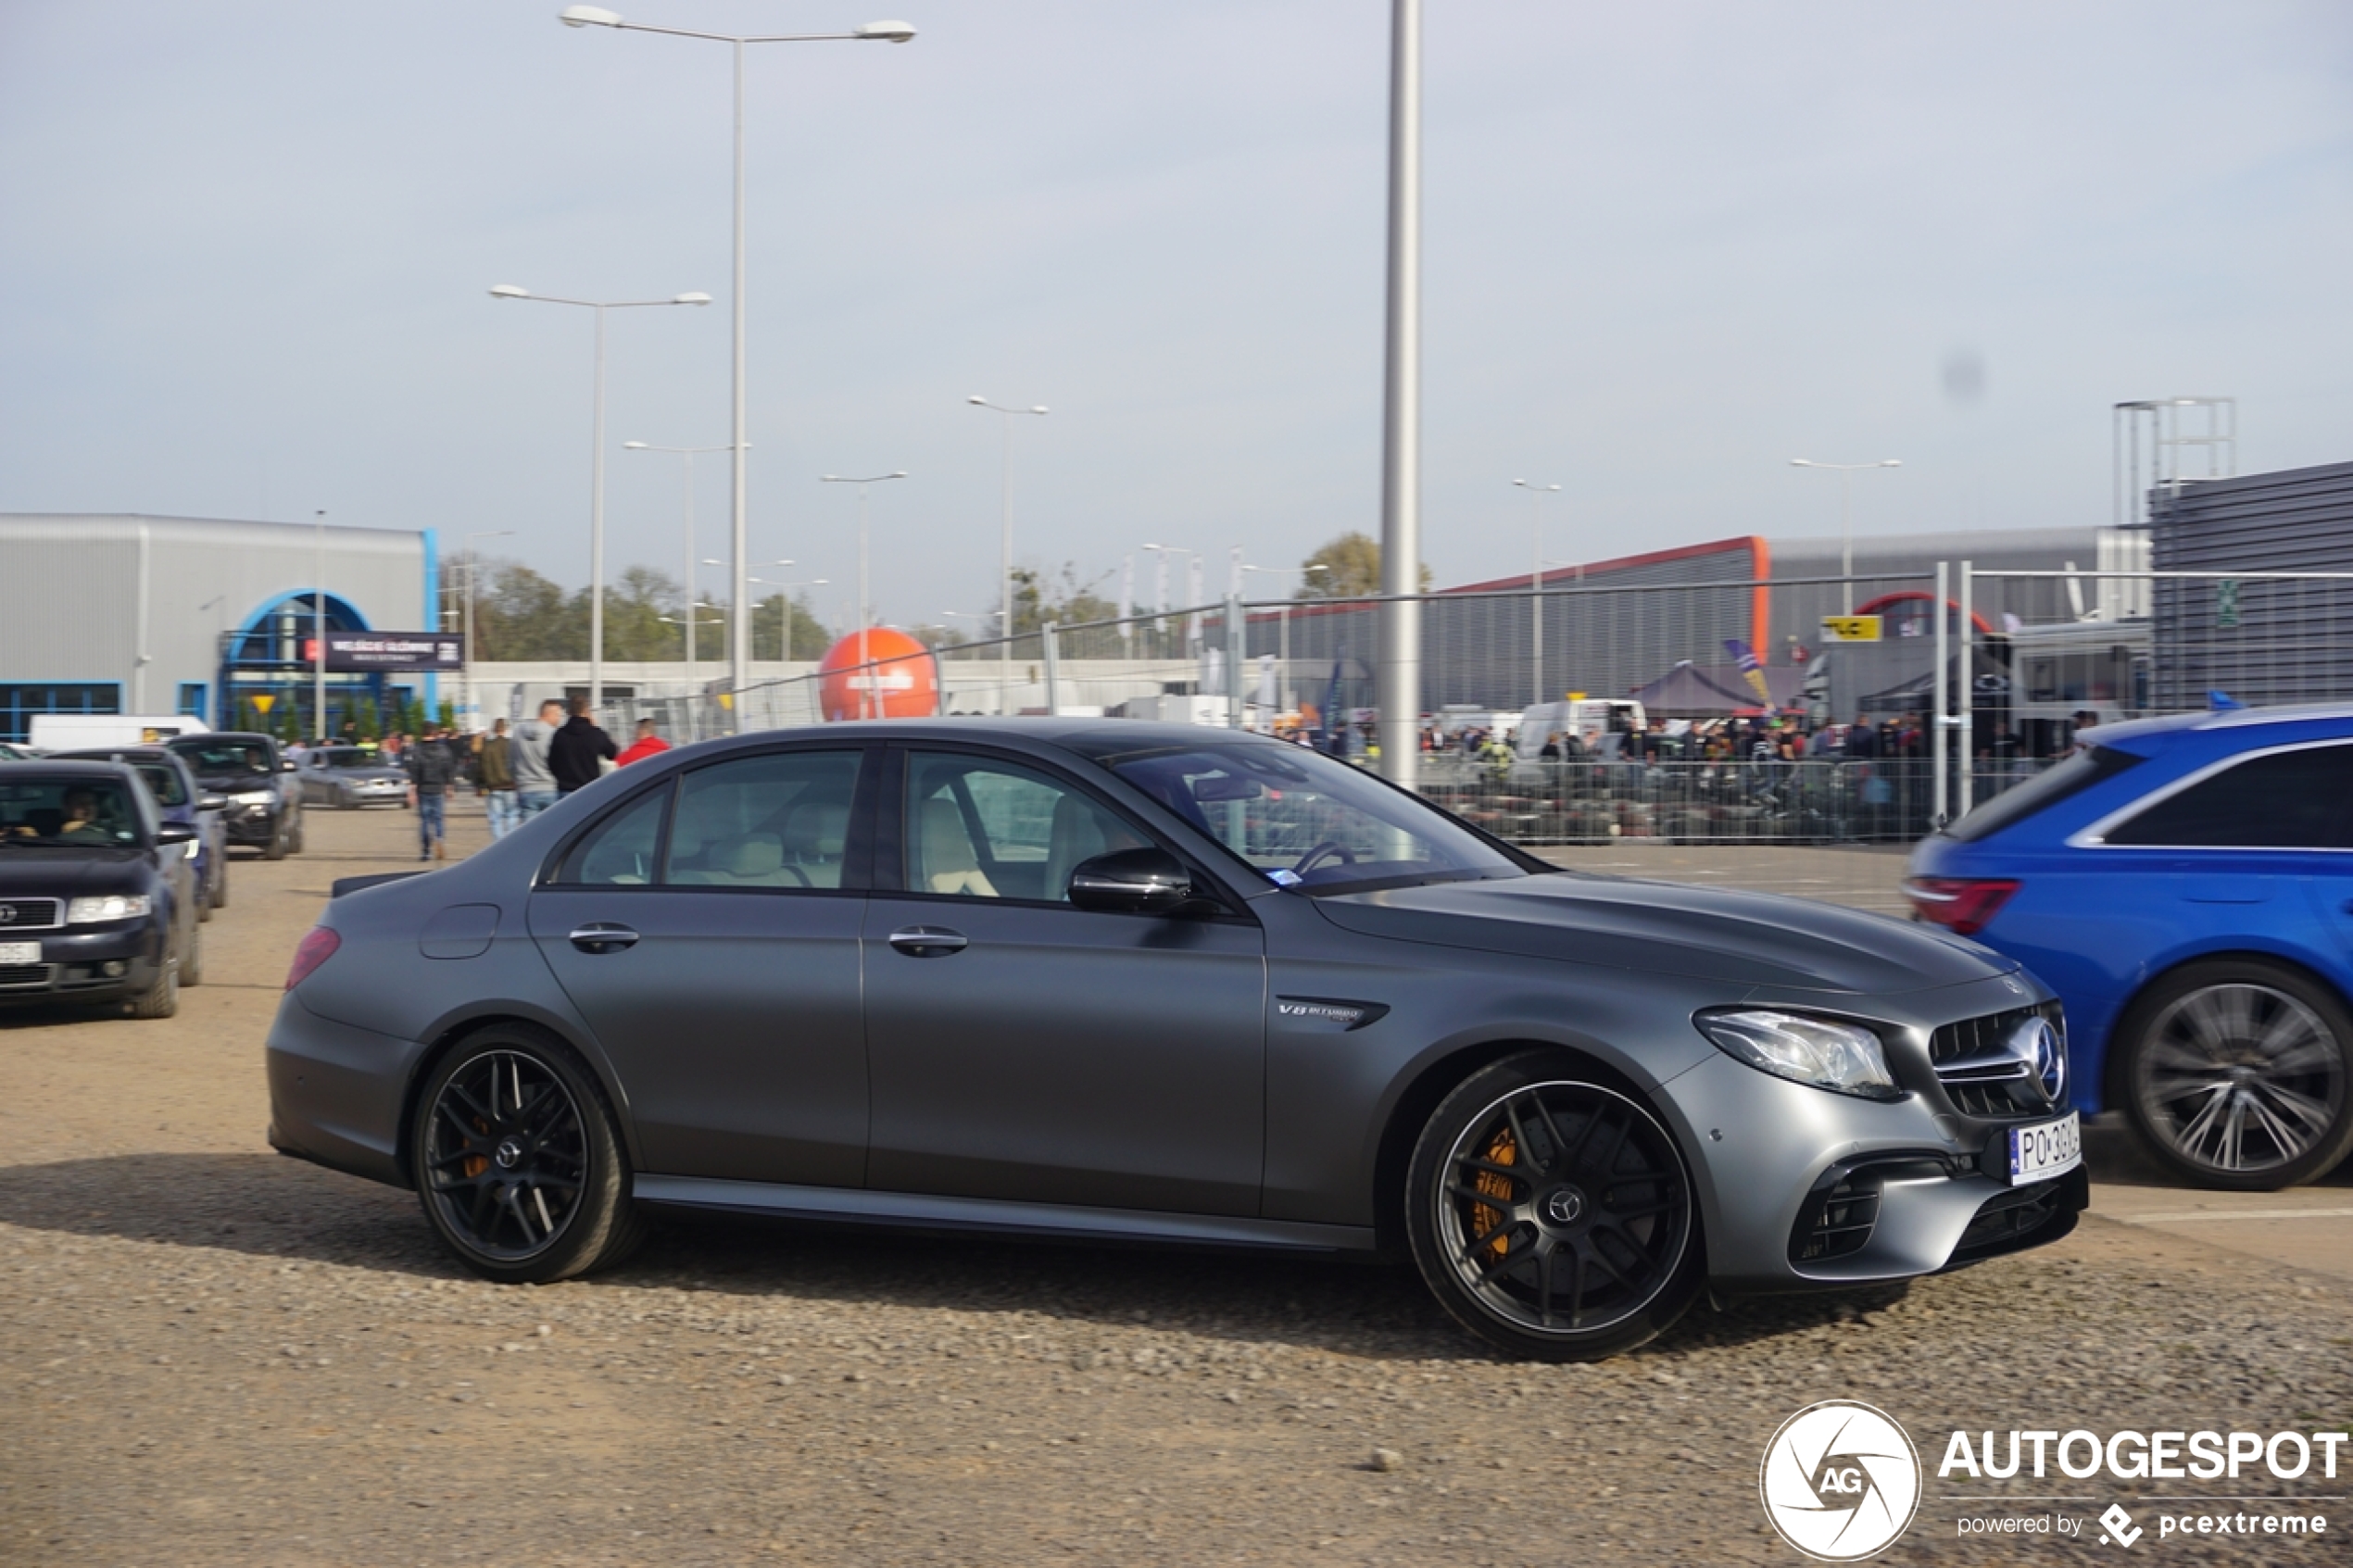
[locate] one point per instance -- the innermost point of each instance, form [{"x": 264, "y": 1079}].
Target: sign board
[
  {"x": 265, "y": 701},
  {"x": 364, "y": 651},
  {"x": 2226, "y": 603},
  {"x": 1851, "y": 628}
]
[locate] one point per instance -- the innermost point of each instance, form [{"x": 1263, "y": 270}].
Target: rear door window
[
  {"x": 2298, "y": 799},
  {"x": 780, "y": 819}
]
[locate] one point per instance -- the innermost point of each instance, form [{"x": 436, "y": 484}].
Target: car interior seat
[
  {"x": 947, "y": 862},
  {"x": 815, "y": 834}
]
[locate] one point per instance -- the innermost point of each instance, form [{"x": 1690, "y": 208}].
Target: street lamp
[
  {"x": 784, "y": 650},
  {"x": 1005, "y": 567},
  {"x": 1536, "y": 494},
  {"x": 784, "y": 604},
  {"x": 473, "y": 709},
  {"x": 1846, "y": 531},
  {"x": 687, "y": 589},
  {"x": 1282, "y": 616},
  {"x": 1398, "y": 679},
  {"x": 739, "y": 652},
  {"x": 596, "y": 467},
  {"x": 1159, "y": 587},
  {"x": 865, "y": 611}
]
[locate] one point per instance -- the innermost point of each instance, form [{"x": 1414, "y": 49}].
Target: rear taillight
[
  {"x": 1962, "y": 905},
  {"x": 316, "y": 949}
]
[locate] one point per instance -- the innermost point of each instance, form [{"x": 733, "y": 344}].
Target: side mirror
[
  {"x": 212, "y": 803},
  {"x": 1132, "y": 882},
  {"x": 175, "y": 833}
]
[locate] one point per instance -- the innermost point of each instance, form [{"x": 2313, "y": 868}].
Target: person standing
[
  {"x": 573, "y": 754},
  {"x": 648, "y": 743},
  {"x": 431, "y": 767},
  {"x": 495, "y": 773},
  {"x": 534, "y": 785}
]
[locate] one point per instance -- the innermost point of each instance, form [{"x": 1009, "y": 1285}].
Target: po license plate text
[{"x": 2049, "y": 1148}]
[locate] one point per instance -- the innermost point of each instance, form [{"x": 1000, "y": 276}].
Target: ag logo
[{"x": 1839, "y": 1481}]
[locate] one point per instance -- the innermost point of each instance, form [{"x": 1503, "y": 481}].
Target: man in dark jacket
[
  {"x": 574, "y": 752},
  {"x": 431, "y": 766}
]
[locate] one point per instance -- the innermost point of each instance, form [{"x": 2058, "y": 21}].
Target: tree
[
  {"x": 1351, "y": 569},
  {"x": 769, "y": 618},
  {"x": 1038, "y": 600}
]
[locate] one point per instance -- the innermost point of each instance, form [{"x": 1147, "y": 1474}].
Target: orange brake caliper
[{"x": 1503, "y": 1152}]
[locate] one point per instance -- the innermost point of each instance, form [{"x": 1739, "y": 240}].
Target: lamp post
[
  {"x": 784, "y": 648},
  {"x": 687, "y": 589},
  {"x": 1282, "y": 616},
  {"x": 784, "y": 604},
  {"x": 865, "y": 611},
  {"x": 1536, "y": 494},
  {"x": 319, "y": 627},
  {"x": 1005, "y": 567},
  {"x": 739, "y": 651},
  {"x": 1398, "y": 683},
  {"x": 1845, "y": 530},
  {"x": 473, "y": 709},
  {"x": 1160, "y": 589},
  {"x": 596, "y": 467}
]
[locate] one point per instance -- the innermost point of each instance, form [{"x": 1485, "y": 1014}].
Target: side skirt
[{"x": 857, "y": 1205}]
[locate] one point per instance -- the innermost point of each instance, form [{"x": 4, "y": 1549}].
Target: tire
[
  {"x": 1610, "y": 1206},
  {"x": 294, "y": 847},
  {"x": 486, "y": 1176},
  {"x": 205, "y": 903},
  {"x": 2234, "y": 1072},
  {"x": 160, "y": 999},
  {"x": 220, "y": 879},
  {"x": 192, "y": 957},
  {"x": 276, "y": 849}
]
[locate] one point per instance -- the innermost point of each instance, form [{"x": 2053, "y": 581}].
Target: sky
[{"x": 246, "y": 249}]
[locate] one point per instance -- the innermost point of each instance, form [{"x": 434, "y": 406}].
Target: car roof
[
  {"x": 42, "y": 768},
  {"x": 206, "y": 737},
  {"x": 1136, "y": 734},
  {"x": 118, "y": 754},
  {"x": 2176, "y": 725}
]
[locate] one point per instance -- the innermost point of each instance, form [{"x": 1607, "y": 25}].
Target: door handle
[
  {"x": 603, "y": 936},
  {"x": 927, "y": 941}
]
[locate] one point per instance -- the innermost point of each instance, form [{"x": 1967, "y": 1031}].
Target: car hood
[
  {"x": 228, "y": 784},
  {"x": 1758, "y": 939},
  {"x": 67, "y": 873},
  {"x": 365, "y": 774}
]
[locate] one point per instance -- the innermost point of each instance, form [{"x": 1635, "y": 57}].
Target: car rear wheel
[
  {"x": 2236, "y": 1076},
  {"x": 1553, "y": 1216},
  {"x": 192, "y": 957},
  {"x": 518, "y": 1162},
  {"x": 219, "y": 899},
  {"x": 276, "y": 849}
]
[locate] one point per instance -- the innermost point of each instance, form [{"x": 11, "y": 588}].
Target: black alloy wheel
[
  {"x": 1552, "y": 1216},
  {"x": 276, "y": 849},
  {"x": 517, "y": 1162},
  {"x": 2236, "y": 1074}
]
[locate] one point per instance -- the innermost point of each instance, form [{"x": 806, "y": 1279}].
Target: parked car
[
  {"x": 181, "y": 799},
  {"x": 1115, "y": 979},
  {"x": 2185, "y": 885},
  {"x": 10, "y": 751},
  {"x": 265, "y": 798},
  {"x": 347, "y": 777},
  {"x": 97, "y": 895}
]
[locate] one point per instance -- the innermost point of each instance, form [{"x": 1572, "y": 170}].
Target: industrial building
[{"x": 121, "y": 613}]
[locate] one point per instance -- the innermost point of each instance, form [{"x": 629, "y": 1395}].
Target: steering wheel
[{"x": 1316, "y": 856}]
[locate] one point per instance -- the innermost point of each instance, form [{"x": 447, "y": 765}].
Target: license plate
[
  {"x": 19, "y": 952},
  {"x": 2049, "y": 1148}
]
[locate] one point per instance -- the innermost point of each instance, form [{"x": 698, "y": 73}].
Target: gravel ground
[{"x": 212, "y": 1355}]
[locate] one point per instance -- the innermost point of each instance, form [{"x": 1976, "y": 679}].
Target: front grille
[
  {"x": 1836, "y": 1223},
  {"x": 1971, "y": 1036},
  {"x": 24, "y": 977},
  {"x": 31, "y": 914},
  {"x": 1975, "y": 1076}
]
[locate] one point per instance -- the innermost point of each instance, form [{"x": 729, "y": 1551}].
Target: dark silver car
[
  {"x": 347, "y": 777},
  {"x": 1111, "y": 979}
]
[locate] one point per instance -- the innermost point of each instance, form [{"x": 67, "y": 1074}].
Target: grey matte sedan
[
  {"x": 349, "y": 777},
  {"x": 1116, "y": 980}
]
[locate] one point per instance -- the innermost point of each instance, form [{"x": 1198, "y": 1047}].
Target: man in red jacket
[{"x": 647, "y": 745}]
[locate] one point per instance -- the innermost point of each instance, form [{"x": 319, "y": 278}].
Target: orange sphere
[{"x": 892, "y": 676}]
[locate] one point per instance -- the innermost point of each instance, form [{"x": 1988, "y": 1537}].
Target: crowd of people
[
  {"x": 516, "y": 775},
  {"x": 1755, "y": 738}
]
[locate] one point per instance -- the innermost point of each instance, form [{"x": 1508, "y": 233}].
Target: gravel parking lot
[{"x": 215, "y": 1355}]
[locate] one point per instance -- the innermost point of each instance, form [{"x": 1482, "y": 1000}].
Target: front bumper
[
  {"x": 251, "y": 824},
  {"x": 1800, "y": 1187},
  {"x": 90, "y": 965},
  {"x": 336, "y": 1092}
]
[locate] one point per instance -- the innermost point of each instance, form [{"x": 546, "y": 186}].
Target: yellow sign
[
  {"x": 1851, "y": 628},
  {"x": 265, "y": 701}
]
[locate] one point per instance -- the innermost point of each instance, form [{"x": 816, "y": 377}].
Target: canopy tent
[{"x": 1706, "y": 691}]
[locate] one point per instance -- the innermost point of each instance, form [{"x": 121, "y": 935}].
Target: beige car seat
[{"x": 944, "y": 851}]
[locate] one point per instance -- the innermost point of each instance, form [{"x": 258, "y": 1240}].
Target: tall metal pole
[
  {"x": 1846, "y": 536},
  {"x": 1967, "y": 731},
  {"x": 865, "y": 650},
  {"x": 1398, "y": 689},
  {"x": 1937, "y": 727},
  {"x": 473, "y": 708},
  {"x": 1005, "y": 575},
  {"x": 692, "y": 612},
  {"x": 596, "y": 536},
  {"x": 739, "y": 623},
  {"x": 319, "y": 632}
]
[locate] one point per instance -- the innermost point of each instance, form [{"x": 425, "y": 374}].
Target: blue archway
[{"x": 268, "y": 654}]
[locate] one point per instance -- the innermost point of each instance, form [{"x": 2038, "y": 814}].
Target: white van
[
  {"x": 1578, "y": 717},
  {"x": 79, "y": 731}
]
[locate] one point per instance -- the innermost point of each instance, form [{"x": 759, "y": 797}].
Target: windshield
[
  {"x": 345, "y": 757},
  {"x": 163, "y": 783},
  {"x": 227, "y": 756},
  {"x": 1304, "y": 820},
  {"x": 92, "y": 811}
]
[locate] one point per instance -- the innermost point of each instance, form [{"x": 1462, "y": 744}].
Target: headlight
[
  {"x": 255, "y": 797},
  {"x": 1840, "y": 1057},
  {"x": 111, "y": 906},
  {"x": 194, "y": 846}
]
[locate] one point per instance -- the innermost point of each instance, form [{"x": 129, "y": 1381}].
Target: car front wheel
[
  {"x": 2236, "y": 1076},
  {"x": 517, "y": 1163},
  {"x": 1551, "y": 1215}
]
